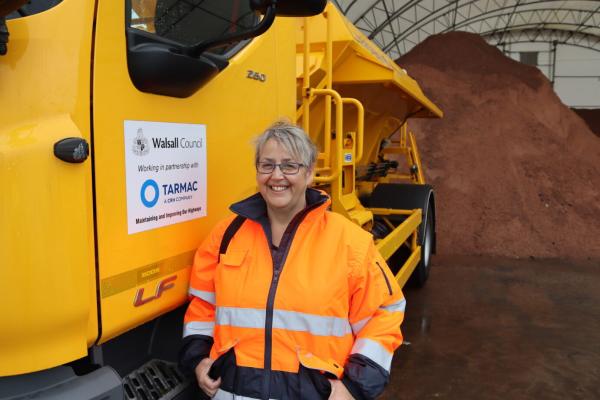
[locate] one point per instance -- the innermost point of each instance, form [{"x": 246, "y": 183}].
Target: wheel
[
  {"x": 408, "y": 197},
  {"x": 421, "y": 272}
]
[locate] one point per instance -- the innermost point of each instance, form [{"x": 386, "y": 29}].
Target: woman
[{"x": 291, "y": 300}]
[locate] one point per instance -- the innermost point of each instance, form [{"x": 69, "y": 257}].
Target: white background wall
[{"x": 572, "y": 63}]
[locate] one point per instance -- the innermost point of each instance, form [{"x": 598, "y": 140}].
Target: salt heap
[{"x": 516, "y": 172}]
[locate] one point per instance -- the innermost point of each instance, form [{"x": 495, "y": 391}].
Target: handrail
[
  {"x": 339, "y": 117},
  {"x": 329, "y": 94},
  {"x": 360, "y": 124},
  {"x": 416, "y": 158},
  {"x": 306, "y": 80},
  {"x": 328, "y": 86}
]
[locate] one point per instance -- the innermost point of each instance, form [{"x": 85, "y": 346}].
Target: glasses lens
[
  {"x": 290, "y": 168},
  {"x": 287, "y": 168},
  {"x": 265, "y": 167}
]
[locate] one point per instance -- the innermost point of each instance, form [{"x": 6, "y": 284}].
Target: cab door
[
  {"x": 166, "y": 168},
  {"x": 47, "y": 281}
]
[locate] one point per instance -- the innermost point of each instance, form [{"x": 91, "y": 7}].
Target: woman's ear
[{"x": 310, "y": 174}]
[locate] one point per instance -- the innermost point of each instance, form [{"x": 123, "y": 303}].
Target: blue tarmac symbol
[{"x": 152, "y": 202}]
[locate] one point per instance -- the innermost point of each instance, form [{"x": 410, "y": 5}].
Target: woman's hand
[
  {"x": 339, "y": 391},
  {"x": 206, "y": 383}
]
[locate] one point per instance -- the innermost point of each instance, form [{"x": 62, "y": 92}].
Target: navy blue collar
[{"x": 255, "y": 207}]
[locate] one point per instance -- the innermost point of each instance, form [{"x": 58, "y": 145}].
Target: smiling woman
[
  {"x": 290, "y": 300},
  {"x": 285, "y": 159}
]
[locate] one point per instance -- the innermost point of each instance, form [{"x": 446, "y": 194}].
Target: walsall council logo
[{"x": 140, "y": 147}]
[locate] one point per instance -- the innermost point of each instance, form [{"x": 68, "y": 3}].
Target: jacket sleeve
[
  {"x": 376, "y": 312},
  {"x": 199, "y": 320}
]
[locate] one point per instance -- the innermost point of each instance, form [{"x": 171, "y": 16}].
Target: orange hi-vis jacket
[{"x": 280, "y": 321}]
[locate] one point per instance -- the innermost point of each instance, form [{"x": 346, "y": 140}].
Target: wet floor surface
[{"x": 486, "y": 328}]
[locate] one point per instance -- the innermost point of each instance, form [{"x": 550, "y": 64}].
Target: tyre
[
  {"x": 421, "y": 272},
  {"x": 407, "y": 197}
]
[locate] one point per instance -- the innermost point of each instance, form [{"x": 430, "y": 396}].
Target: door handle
[{"x": 72, "y": 150}]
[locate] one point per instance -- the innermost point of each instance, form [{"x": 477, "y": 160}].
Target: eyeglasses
[{"x": 287, "y": 168}]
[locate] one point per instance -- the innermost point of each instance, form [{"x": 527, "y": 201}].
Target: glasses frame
[{"x": 275, "y": 165}]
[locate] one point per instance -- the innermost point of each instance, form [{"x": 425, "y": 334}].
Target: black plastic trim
[
  {"x": 25, "y": 8},
  {"x": 291, "y": 8},
  {"x": 74, "y": 150},
  {"x": 94, "y": 192},
  {"x": 4, "y": 35},
  {"x": 62, "y": 383}
]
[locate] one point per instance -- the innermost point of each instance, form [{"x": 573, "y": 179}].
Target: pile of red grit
[{"x": 516, "y": 172}]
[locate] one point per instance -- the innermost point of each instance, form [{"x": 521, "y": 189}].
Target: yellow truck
[{"x": 125, "y": 135}]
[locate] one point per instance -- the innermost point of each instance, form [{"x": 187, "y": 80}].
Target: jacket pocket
[
  {"x": 313, "y": 384},
  {"x": 225, "y": 364},
  {"x": 314, "y": 374},
  {"x": 230, "y": 276}
]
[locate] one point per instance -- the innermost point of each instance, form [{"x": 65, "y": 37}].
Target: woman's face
[{"x": 282, "y": 193}]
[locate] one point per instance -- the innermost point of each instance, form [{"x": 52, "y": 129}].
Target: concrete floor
[{"x": 501, "y": 329}]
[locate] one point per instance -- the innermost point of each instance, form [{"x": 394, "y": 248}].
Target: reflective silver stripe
[
  {"x": 375, "y": 351},
  {"x": 241, "y": 317},
  {"x": 397, "y": 306},
  {"x": 317, "y": 325},
  {"x": 357, "y": 327},
  {"x": 199, "y": 328},
  {"x": 225, "y": 395},
  {"x": 206, "y": 296},
  {"x": 400, "y": 305}
]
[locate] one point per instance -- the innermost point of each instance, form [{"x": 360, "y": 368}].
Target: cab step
[{"x": 155, "y": 380}]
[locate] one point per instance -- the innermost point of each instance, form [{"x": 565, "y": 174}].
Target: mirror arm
[{"x": 197, "y": 49}]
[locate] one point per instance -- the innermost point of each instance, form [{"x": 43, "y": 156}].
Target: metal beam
[
  {"x": 571, "y": 26},
  {"x": 489, "y": 13},
  {"x": 590, "y": 15},
  {"x": 444, "y": 15},
  {"x": 511, "y": 16},
  {"x": 561, "y": 37}
]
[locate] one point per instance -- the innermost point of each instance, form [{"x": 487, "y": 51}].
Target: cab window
[{"x": 189, "y": 22}]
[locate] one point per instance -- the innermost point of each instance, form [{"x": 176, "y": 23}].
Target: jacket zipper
[
  {"x": 278, "y": 260},
  {"x": 266, "y": 387}
]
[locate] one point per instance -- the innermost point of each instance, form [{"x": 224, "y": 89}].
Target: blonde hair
[{"x": 292, "y": 138}]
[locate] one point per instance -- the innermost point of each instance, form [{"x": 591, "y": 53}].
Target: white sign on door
[{"x": 165, "y": 167}]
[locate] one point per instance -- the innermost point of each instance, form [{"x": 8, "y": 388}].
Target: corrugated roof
[{"x": 398, "y": 25}]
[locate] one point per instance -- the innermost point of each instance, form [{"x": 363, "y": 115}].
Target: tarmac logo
[
  {"x": 141, "y": 146},
  {"x": 149, "y": 184}
]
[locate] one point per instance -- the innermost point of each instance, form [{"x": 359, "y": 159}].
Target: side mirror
[{"x": 169, "y": 57}]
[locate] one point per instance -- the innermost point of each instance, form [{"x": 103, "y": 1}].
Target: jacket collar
[{"x": 255, "y": 207}]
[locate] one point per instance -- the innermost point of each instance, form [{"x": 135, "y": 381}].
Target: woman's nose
[{"x": 277, "y": 172}]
